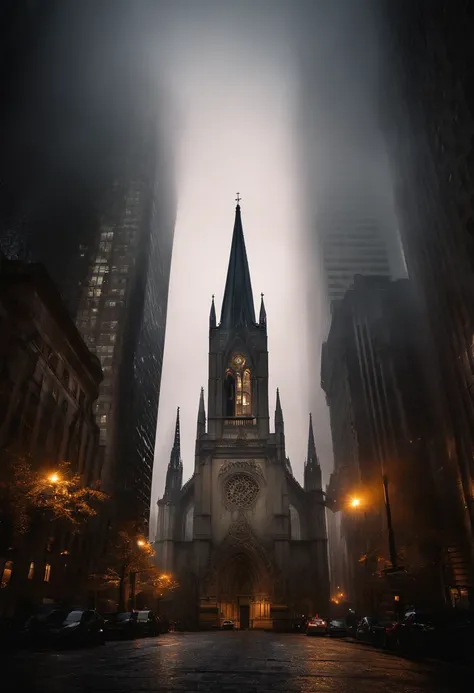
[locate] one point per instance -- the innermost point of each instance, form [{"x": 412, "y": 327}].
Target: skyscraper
[
  {"x": 352, "y": 234},
  {"x": 380, "y": 423},
  {"x": 87, "y": 190},
  {"x": 122, "y": 317},
  {"x": 429, "y": 125}
]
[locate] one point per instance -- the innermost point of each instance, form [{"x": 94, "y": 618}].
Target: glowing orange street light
[
  {"x": 141, "y": 542},
  {"x": 54, "y": 478},
  {"x": 355, "y": 502}
]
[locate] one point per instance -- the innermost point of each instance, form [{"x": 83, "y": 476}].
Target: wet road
[{"x": 230, "y": 663}]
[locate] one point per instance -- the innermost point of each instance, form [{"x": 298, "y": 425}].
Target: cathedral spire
[
  {"x": 278, "y": 411},
  {"x": 237, "y": 306},
  {"x": 212, "y": 314},
  {"x": 312, "y": 469},
  {"x": 279, "y": 430},
  {"x": 177, "y": 439},
  {"x": 312, "y": 457},
  {"x": 174, "y": 474},
  {"x": 262, "y": 321},
  {"x": 201, "y": 420}
]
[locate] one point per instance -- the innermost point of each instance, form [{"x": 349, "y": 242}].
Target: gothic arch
[
  {"x": 238, "y": 382},
  {"x": 238, "y": 346},
  {"x": 238, "y": 556},
  {"x": 242, "y": 572}
]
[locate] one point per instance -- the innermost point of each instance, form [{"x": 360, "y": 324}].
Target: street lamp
[
  {"x": 355, "y": 502},
  {"x": 54, "y": 478}
]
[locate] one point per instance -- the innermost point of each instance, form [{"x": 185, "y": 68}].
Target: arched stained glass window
[{"x": 238, "y": 388}]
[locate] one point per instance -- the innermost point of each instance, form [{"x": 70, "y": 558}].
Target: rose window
[{"x": 241, "y": 491}]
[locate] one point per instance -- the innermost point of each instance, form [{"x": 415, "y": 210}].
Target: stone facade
[
  {"x": 244, "y": 539},
  {"x": 48, "y": 384}
]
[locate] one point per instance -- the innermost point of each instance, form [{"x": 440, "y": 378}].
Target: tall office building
[
  {"x": 86, "y": 189},
  {"x": 352, "y": 239},
  {"x": 429, "y": 124},
  {"x": 381, "y": 425},
  {"x": 122, "y": 317}
]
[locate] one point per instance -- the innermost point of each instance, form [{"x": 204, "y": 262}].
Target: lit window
[
  {"x": 103, "y": 419},
  {"x": 6, "y": 573},
  {"x": 47, "y": 572},
  {"x": 31, "y": 571}
]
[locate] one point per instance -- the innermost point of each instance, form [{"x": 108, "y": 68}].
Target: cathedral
[{"x": 243, "y": 538}]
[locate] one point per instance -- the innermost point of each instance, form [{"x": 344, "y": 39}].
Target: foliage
[
  {"x": 131, "y": 554},
  {"x": 58, "y": 496},
  {"x": 161, "y": 585}
]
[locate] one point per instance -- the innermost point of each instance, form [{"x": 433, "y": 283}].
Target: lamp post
[{"x": 133, "y": 578}]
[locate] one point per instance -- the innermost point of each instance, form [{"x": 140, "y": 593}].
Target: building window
[
  {"x": 238, "y": 388},
  {"x": 47, "y": 572},
  {"x": 6, "y": 573},
  {"x": 103, "y": 419},
  {"x": 31, "y": 571}
]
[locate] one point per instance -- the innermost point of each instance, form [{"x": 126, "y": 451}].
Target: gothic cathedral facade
[{"x": 244, "y": 539}]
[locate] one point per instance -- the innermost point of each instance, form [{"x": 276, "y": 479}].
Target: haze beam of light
[{"x": 235, "y": 91}]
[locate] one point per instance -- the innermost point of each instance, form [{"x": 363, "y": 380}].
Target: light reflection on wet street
[{"x": 233, "y": 663}]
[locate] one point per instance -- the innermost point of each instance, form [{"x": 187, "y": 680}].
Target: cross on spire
[{"x": 238, "y": 198}]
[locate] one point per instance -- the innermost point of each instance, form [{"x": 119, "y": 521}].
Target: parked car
[
  {"x": 37, "y": 629},
  {"x": 316, "y": 626},
  {"x": 447, "y": 634},
  {"x": 80, "y": 627},
  {"x": 121, "y": 625},
  {"x": 376, "y": 630},
  {"x": 228, "y": 624},
  {"x": 337, "y": 628},
  {"x": 65, "y": 627},
  {"x": 147, "y": 623}
]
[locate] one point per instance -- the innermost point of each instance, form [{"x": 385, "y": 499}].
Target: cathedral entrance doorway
[
  {"x": 244, "y": 590},
  {"x": 244, "y": 616}
]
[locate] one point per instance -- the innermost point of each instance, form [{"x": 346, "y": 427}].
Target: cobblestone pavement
[{"x": 230, "y": 662}]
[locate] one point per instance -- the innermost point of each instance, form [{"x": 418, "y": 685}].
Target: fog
[
  {"x": 279, "y": 102},
  {"x": 276, "y": 99},
  {"x": 234, "y": 83}
]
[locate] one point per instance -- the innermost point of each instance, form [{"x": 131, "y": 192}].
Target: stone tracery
[{"x": 241, "y": 491}]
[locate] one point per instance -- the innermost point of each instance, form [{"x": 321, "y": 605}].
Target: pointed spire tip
[{"x": 237, "y": 308}]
